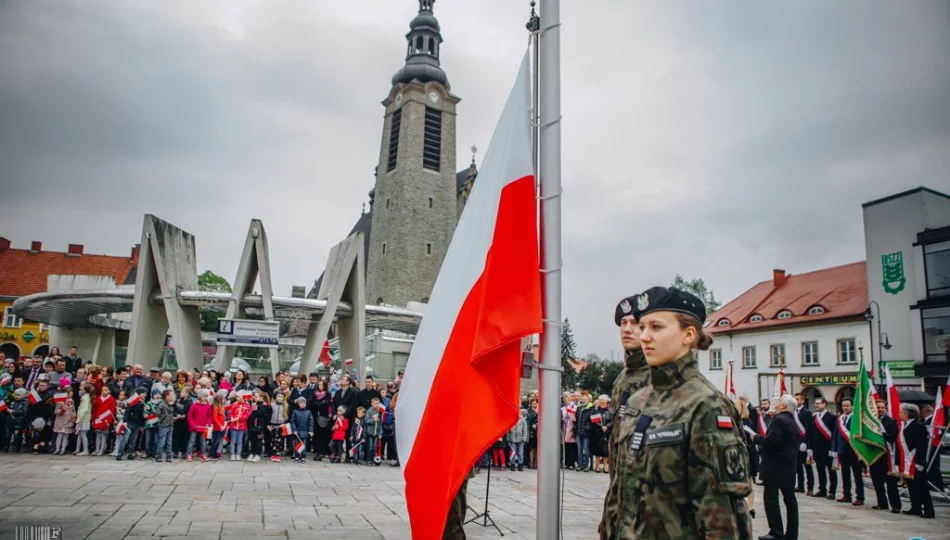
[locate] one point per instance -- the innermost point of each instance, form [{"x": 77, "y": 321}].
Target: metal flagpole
[{"x": 548, "y": 515}]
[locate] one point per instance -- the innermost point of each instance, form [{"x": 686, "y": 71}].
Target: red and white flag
[
  {"x": 33, "y": 397},
  {"x": 134, "y": 399},
  {"x": 937, "y": 423},
  {"x": 120, "y": 428},
  {"x": 762, "y": 426},
  {"x": 893, "y": 398},
  {"x": 245, "y": 394},
  {"x": 60, "y": 397},
  {"x": 730, "y": 389},
  {"x": 6, "y": 379},
  {"x": 382, "y": 413},
  {"x": 595, "y": 418},
  {"x": 299, "y": 446},
  {"x": 3, "y": 406},
  {"x": 209, "y": 432},
  {"x": 486, "y": 299},
  {"x": 946, "y": 394},
  {"x": 286, "y": 430},
  {"x": 325, "y": 358}
]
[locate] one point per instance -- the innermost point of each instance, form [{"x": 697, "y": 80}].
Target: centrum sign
[
  {"x": 827, "y": 380},
  {"x": 247, "y": 333}
]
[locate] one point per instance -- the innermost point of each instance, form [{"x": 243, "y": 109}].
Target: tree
[
  {"x": 589, "y": 377},
  {"x": 698, "y": 287},
  {"x": 568, "y": 352},
  {"x": 208, "y": 281}
]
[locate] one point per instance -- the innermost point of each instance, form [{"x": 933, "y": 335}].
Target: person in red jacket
[
  {"x": 240, "y": 411},
  {"x": 103, "y": 417},
  {"x": 340, "y": 427},
  {"x": 199, "y": 419}
]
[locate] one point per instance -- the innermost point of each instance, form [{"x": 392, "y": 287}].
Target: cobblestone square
[{"x": 103, "y": 498}]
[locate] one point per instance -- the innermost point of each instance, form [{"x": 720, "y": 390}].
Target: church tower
[{"x": 414, "y": 204}]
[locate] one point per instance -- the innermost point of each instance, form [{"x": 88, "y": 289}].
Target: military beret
[
  {"x": 664, "y": 299},
  {"x": 624, "y": 307}
]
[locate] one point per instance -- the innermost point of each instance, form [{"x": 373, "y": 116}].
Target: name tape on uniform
[{"x": 672, "y": 434}]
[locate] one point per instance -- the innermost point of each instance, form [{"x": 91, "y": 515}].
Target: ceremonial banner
[{"x": 867, "y": 435}]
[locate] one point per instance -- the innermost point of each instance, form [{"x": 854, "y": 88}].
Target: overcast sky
[{"x": 712, "y": 139}]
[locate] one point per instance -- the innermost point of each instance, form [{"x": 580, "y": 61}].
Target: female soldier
[{"x": 682, "y": 461}]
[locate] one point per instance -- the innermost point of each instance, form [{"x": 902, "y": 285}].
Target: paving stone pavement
[{"x": 97, "y": 498}]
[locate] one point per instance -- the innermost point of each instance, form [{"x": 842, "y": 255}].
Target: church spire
[{"x": 422, "y": 54}]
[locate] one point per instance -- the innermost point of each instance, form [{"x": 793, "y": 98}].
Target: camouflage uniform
[
  {"x": 635, "y": 376},
  {"x": 454, "y": 529},
  {"x": 682, "y": 461}
]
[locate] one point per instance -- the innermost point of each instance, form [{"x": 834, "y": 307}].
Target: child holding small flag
[
  {"x": 180, "y": 430},
  {"x": 338, "y": 438},
  {"x": 257, "y": 424},
  {"x": 373, "y": 428},
  {"x": 134, "y": 420},
  {"x": 199, "y": 418},
  {"x": 240, "y": 412},
  {"x": 16, "y": 425},
  {"x": 65, "y": 420},
  {"x": 302, "y": 423},
  {"x": 278, "y": 415},
  {"x": 166, "y": 415},
  {"x": 218, "y": 423},
  {"x": 84, "y": 419},
  {"x": 103, "y": 417},
  {"x": 151, "y": 422},
  {"x": 358, "y": 437}
]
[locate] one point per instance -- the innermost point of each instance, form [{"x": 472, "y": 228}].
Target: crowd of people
[{"x": 58, "y": 405}]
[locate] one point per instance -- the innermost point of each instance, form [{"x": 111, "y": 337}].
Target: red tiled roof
[
  {"x": 841, "y": 290},
  {"x": 23, "y": 273}
]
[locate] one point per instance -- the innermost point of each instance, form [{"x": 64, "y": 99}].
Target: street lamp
[{"x": 882, "y": 340}]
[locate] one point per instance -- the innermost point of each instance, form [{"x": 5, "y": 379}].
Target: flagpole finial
[
  {"x": 534, "y": 22},
  {"x": 474, "y": 151}
]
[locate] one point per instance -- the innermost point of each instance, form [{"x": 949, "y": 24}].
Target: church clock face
[{"x": 434, "y": 96}]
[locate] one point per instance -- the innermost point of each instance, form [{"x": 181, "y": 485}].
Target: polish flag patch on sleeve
[{"x": 724, "y": 422}]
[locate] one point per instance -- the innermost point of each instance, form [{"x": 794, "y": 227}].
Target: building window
[
  {"x": 432, "y": 140},
  {"x": 937, "y": 265},
  {"x": 387, "y": 204},
  {"x": 816, "y": 310},
  {"x": 394, "y": 142},
  {"x": 723, "y": 322},
  {"x": 755, "y": 318},
  {"x": 715, "y": 359},
  {"x": 846, "y": 352},
  {"x": 428, "y": 249},
  {"x": 936, "y": 325},
  {"x": 430, "y": 202},
  {"x": 810, "y": 353},
  {"x": 384, "y": 249},
  {"x": 777, "y": 355},
  {"x": 748, "y": 357},
  {"x": 10, "y": 320},
  {"x": 784, "y": 314}
]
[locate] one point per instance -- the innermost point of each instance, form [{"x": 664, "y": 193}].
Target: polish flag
[
  {"x": 6, "y": 379},
  {"x": 486, "y": 299},
  {"x": 595, "y": 418},
  {"x": 382, "y": 412},
  {"x": 939, "y": 421},
  {"x": 299, "y": 446},
  {"x": 33, "y": 397},
  {"x": 286, "y": 430},
  {"x": 730, "y": 385},
  {"x": 120, "y": 428},
  {"x": 209, "y": 432},
  {"x": 762, "y": 426},
  {"x": 135, "y": 399},
  {"x": 246, "y": 394},
  {"x": 946, "y": 393},
  {"x": 3, "y": 406},
  {"x": 325, "y": 354},
  {"x": 893, "y": 399},
  {"x": 60, "y": 397}
]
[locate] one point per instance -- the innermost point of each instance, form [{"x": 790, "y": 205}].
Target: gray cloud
[{"x": 715, "y": 141}]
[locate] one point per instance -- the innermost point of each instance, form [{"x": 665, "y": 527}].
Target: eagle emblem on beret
[
  {"x": 625, "y": 307},
  {"x": 643, "y": 302}
]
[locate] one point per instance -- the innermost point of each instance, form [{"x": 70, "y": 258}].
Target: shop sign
[
  {"x": 829, "y": 380},
  {"x": 900, "y": 369}
]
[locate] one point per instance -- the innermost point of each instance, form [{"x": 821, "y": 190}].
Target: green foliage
[
  {"x": 568, "y": 351},
  {"x": 599, "y": 375},
  {"x": 210, "y": 282},
  {"x": 698, "y": 287}
]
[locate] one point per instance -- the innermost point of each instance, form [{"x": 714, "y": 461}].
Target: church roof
[
  {"x": 463, "y": 176},
  {"x": 422, "y": 59}
]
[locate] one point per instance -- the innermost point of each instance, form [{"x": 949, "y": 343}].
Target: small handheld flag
[
  {"x": 134, "y": 400},
  {"x": 60, "y": 397},
  {"x": 595, "y": 418},
  {"x": 246, "y": 394},
  {"x": 151, "y": 419},
  {"x": 208, "y": 432},
  {"x": 3, "y": 407},
  {"x": 299, "y": 446},
  {"x": 286, "y": 430},
  {"x": 33, "y": 397},
  {"x": 120, "y": 428},
  {"x": 6, "y": 379}
]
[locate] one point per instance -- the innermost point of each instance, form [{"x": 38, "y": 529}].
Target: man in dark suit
[
  {"x": 779, "y": 457},
  {"x": 806, "y": 427},
  {"x": 917, "y": 438},
  {"x": 885, "y": 484},
  {"x": 824, "y": 434},
  {"x": 849, "y": 463}
]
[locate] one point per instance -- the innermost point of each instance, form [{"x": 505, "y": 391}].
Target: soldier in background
[
  {"x": 636, "y": 375},
  {"x": 454, "y": 529},
  {"x": 682, "y": 463}
]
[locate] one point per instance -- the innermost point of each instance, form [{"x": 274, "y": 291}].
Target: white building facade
[
  {"x": 819, "y": 359},
  {"x": 907, "y": 240}
]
